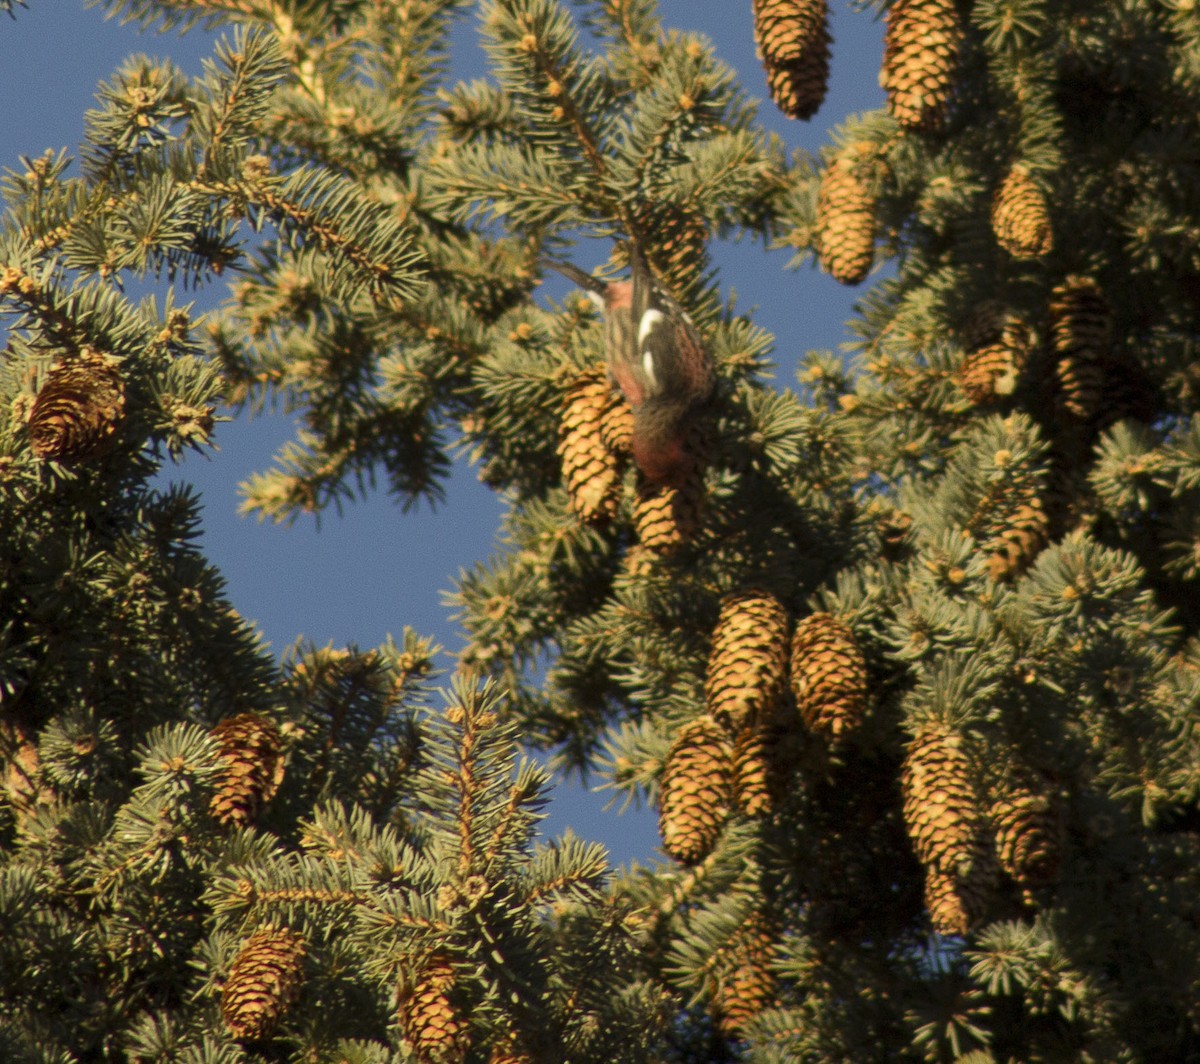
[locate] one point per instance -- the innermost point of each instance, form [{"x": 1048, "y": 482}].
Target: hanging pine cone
[
  {"x": 1029, "y": 834},
  {"x": 1081, "y": 325},
  {"x": 1016, "y": 545},
  {"x": 747, "y": 980},
  {"x": 78, "y": 409},
  {"x": 957, "y": 903},
  {"x": 829, "y": 675},
  {"x": 678, "y": 243},
  {"x": 945, "y": 822},
  {"x": 428, "y": 1016},
  {"x": 999, "y": 345},
  {"x": 591, "y": 472},
  {"x": 616, "y": 427},
  {"x": 251, "y": 768},
  {"x": 667, "y": 516},
  {"x": 793, "y": 41},
  {"x": 1020, "y": 218},
  {"x": 263, "y": 983},
  {"x": 988, "y": 374},
  {"x": 920, "y": 55},
  {"x": 694, "y": 792},
  {"x": 752, "y": 773},
  {"x": 747, "y": 665},
  {"x": 845, "y": 237}
]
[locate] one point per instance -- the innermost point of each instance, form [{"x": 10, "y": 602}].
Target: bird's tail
[{"x": 573, "y": 273}]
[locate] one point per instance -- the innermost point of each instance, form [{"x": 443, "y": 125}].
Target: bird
[{"x": 656, "y": 357}]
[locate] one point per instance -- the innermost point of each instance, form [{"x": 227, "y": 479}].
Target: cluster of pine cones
[{"x": 727, "y": 758}]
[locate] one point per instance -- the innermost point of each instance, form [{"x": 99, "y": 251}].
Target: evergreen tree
[{"x": 907, "y": 659}]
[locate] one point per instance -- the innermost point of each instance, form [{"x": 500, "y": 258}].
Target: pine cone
[
  {"x": 920, "y": 55},
  {"x": 591, "y": 472},
  {"x": 616, "y": 427},
  {"x": 752, "y": 773},
  {"x": 943, "y": 814},
  {"x": 988, "y": 375},
  {"x": 845, "y": 239},
  {"x": 679, "y": 243},
  {"x": 793, "y": 40},
  {"x": 1020, "y": 218},
  {"x": 263, "y": 982},
  {"x": 1029, "y": 834},
  {"x": 747, "y": 665},
  {"x": 428, "y": 1017},
  {"x": 694, "y": 792},
  {"x": 1015, "y": 546},
  {"x": 1081, "y": 324},
  {"x": 955, "y": 905},
  {"x": 998, "y": 345},
  {"x": 747, "y": 982},
  {"x": 78, "y": 409},
  {"x": 667, "y": 516},
  {"x": 829, "y": 675},
  {"x": 251, "y": 768}
]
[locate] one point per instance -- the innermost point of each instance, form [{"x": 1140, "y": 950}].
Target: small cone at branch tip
[
  {"x": 922, "y": 40},
  {"x": 591, "y": 470},
  {"x": 794, "y": 42},
  {"x": 264, "y": 981},
  {"x": 845, "y": 235},
  {"x": 695, "y": 790},
  {"x": 78, "y": 409},
  {"x": 252, "y": 768},
  {"x": 829, "y": 675},
  {"x": 428, "y": 1016},
  {"x": 1020, "y": 217},
  {"x": 747, "y": 663}
]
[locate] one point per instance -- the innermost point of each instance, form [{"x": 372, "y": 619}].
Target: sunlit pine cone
[
  {"x": 845, "y": 236},
  {"x": 829, "y": 675},
  {"x": 695, "y": 790},
  {"x": 922, "y": 41},
  {"x": 591, "y": 471},
  {"x": 264, "y": 981},
  {"x": 667, "y": 516},
  {"x": 753, "y": 770},
  {"x": 942, "y": 807},
  {"x": 793, "y": 41},
  {"x": 747, "y": 664},
  {"x": 1020, "y": 218},
  {"x": 430, "y": 1020},
  {"x": 78, "y": 409},
  {"x": 251, "y": 767}
]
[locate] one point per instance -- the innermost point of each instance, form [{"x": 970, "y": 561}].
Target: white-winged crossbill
[{"x": 657, "y": 359}]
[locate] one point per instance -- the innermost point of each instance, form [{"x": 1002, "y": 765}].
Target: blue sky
[{"x": 375, "y": 569}]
